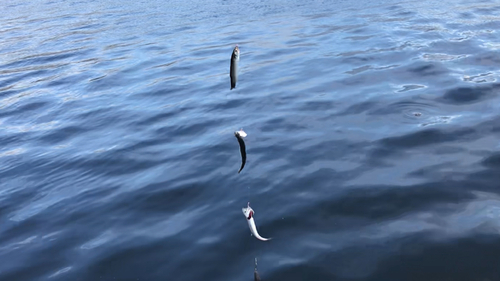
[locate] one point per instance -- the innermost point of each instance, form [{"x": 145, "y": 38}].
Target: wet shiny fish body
[{"x": 233, "y": 69}]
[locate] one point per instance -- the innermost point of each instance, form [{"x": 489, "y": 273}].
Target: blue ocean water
[{"x": 373, "y": 147}]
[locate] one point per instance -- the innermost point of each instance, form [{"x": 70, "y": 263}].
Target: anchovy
[
  {"x": 248, "y": 212},
  {"x": 256, "y": 276},
  {"x": 233, "y": 69},
  {"x": 240, "y": 135}
]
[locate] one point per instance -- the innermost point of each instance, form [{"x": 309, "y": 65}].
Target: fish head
[
  {"x": 240, "y": 133},
  {"x": 236, "y": 53},
  {"x": 248, "y": 212}
]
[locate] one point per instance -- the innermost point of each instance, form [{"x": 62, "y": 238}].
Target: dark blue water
[{"x": 373, "y": 140}]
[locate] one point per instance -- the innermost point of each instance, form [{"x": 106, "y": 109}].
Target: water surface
[{"x": 373, "y": 140}]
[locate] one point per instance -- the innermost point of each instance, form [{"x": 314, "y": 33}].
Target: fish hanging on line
[
  {"x": 233, "y": 68},
  {"x": 248, "y": 212},
  {"x": 240, "y": 135}
]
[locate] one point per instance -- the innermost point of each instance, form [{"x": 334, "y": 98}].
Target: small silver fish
[
  {"x": 248, "y": 212},
  {"x": 233, "y": 69}
]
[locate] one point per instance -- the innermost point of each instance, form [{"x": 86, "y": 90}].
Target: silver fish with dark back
[
  {"x": 233, "y": 69},
  {"x": 240, "y": 135}
]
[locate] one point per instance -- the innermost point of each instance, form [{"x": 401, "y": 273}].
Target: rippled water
[{"x": 373, "y": 140}]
